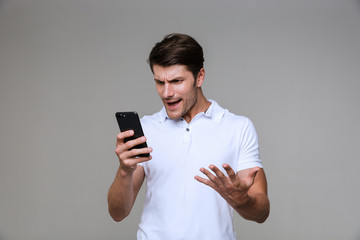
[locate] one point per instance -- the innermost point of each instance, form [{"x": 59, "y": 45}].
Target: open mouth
[{"x": 173, "y": 104}]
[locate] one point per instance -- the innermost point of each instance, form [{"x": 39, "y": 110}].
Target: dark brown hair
[{"x": 175, "y": 49}]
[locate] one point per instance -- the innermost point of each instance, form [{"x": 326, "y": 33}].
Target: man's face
[{"x": 178, "y": 90}]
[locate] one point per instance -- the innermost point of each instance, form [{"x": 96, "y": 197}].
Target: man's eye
[{"x": 159, "y": 82}]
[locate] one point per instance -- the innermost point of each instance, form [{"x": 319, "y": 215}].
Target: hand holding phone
[{"x": 130, "y": 121}]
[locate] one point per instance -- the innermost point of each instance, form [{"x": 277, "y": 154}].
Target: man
[{"x": 184, "y": 199}]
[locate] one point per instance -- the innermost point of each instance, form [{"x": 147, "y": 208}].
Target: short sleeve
[{"x": 249, "y": 156}]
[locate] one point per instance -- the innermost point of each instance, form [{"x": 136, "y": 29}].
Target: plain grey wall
[{"x": 67, "y": 66}]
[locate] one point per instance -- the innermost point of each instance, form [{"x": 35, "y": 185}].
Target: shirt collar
[
  {"x": 163, "y": 115},
  {"x": 214, "y": 112}
]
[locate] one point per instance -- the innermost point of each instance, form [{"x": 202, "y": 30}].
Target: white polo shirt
[{"x": 176, "y": 205}]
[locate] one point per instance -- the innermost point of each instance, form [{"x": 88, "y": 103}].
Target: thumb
[{"x": 253, "y": 172}]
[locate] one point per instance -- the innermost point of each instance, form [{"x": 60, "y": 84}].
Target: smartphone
[{"x": 130, "y": 121}]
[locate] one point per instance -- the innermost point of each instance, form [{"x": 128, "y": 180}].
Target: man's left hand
[{"x": 234, "y": 187}]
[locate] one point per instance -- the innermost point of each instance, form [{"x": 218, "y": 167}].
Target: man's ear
[{"x": 200, "y": 77}]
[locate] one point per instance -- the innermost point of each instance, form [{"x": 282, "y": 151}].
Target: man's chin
[{"x": 173, "y": 115}]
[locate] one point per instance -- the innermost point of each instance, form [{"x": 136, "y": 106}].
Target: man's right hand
[
  {"x": 128, "y": 158},
  {"x": 129, "y": 177}
]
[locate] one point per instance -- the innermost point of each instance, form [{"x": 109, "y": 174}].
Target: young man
[{"x": 184, "y": 199}]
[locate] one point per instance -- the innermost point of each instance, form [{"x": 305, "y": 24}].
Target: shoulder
[
  {"x": 231, "y": 118},
  {"x": 151, "y": 120},
  {"x": 238, "y": 124},
  {"x": 224, "y": 115}
]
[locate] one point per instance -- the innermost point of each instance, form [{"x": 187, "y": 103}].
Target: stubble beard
[{"x": 185, "y": 106}]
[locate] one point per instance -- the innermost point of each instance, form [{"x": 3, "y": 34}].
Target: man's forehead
[{"x": 170, "y": 72}]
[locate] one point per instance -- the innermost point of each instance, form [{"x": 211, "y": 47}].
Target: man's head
[
  {"x": 177, "y": 49},
  {"x": 177, "y": 65}
]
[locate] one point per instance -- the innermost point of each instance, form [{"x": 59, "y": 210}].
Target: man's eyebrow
[
  {"x": 177, "y": 79},
  {"x": 171, "y": 80}
]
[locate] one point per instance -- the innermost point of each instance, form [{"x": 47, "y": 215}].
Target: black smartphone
[{"x": 130, "y": 121}]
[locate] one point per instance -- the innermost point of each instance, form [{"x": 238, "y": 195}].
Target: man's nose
[{"x": 168, "y": 90}]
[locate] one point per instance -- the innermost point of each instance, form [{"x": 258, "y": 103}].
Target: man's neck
[{"x": 202, "y": 104}]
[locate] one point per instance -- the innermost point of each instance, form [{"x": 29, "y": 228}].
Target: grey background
[{"x": 67, "y": 66}]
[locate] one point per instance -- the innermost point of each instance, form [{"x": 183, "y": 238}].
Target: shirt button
[{"x": 187, "y": 129}]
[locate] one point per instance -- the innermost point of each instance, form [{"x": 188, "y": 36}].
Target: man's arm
[
  {"x": 129, "y": 177},
  {"x": 245, "y": 191}
]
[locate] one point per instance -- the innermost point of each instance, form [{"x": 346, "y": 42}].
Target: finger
[
  {"x": 132, "y": 143},
  {"x": 132, "y": 162},
  {"x": 206, "y": 182},
  {"x": 209, "y": 175},
  {"x": 246, "y": 173},
  {"x": 247, "y": 176},
  {"x": 122, "y": 135},
  {"x": 134, "y": 153},
  {"x": 141, "y": 159},
  {"x": 253, "y": 173},
  {"x": 230, "y": 172},
  {"x": 218, "y": 173}
]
